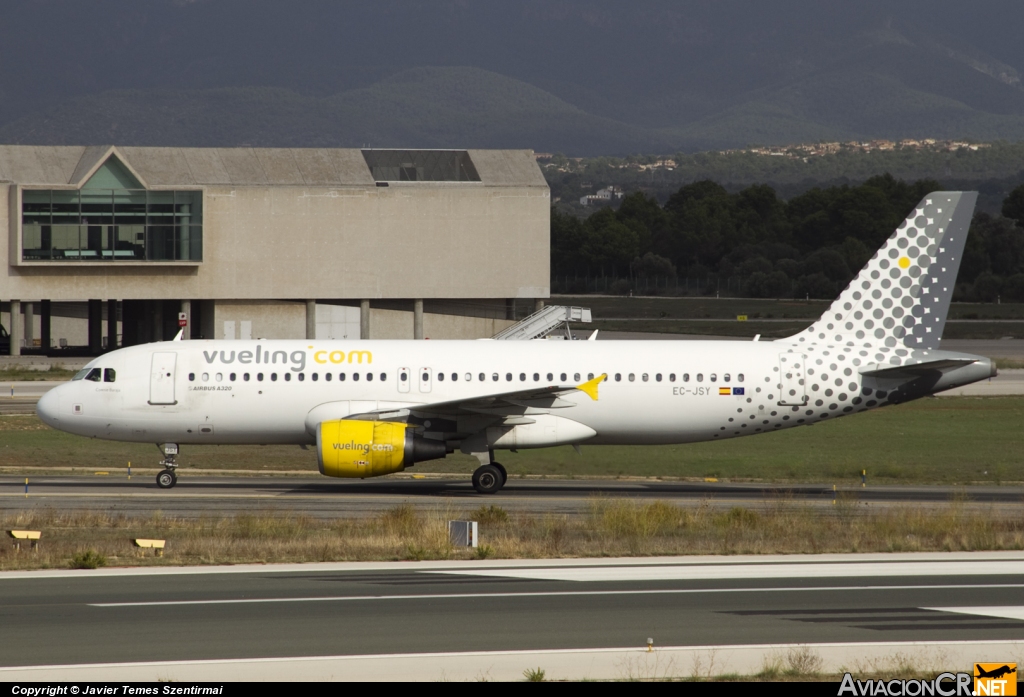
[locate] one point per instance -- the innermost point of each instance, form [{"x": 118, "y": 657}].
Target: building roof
[{"x": 71, "y": 166}]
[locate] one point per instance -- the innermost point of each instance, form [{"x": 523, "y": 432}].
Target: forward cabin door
[
  {"x": 792, "y": 387},
  {"x": 161, "y": 378}
]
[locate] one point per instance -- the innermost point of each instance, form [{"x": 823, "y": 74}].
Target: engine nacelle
[{"x": 371, "y": 448}]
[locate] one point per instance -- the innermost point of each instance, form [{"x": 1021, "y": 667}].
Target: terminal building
[{"x": 110, "y": 246}]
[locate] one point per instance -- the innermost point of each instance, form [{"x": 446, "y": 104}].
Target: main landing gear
[
  {"x": 167, "y": 477},
  {"x": 488, "y": 479}
]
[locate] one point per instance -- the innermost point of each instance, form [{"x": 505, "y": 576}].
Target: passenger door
[
  {"x": 793, "y": 391},
  {"x": 161, "y": 378}
]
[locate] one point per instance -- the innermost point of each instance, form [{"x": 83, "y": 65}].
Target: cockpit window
[
  {"x": 95, "y": 375},
  {"x": 109, "y": 375},
  {"x": 81, "y": 374}
]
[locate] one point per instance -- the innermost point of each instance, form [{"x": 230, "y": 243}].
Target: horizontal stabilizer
[{"x": 881, "y": 370}]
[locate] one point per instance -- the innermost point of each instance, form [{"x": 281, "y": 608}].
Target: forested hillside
[{"x": 753, "y": 243}]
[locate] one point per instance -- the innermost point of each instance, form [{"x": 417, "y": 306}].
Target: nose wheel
[
  {"x": 166, "y": 479},
  {"x": 488, "y": 479}
]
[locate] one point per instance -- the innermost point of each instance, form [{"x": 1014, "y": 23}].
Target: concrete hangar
[{"x": 266, "y": 243}]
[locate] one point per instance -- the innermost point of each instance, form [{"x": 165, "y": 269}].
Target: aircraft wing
[{"x": 498, "y": 404}]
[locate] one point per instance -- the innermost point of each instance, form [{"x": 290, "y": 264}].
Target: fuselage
[{"x": 263, "y": 392}]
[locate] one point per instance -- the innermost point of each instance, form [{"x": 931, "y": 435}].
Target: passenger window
[
  {"x": 245, "y": 376},
  {"x": 536, "y": 377},
  {"x": 109, "y": 375},
  {"x": 725, "y": 378},
  {"x": 440, "y": 376},
  {"x": 403, "y": 376},
  {"x": 232, "y": 377},
  {"x": 302, "y": 377},
  {"x": 551, "y": 378},
  {"x": 327, "y": 377},
  {"x": 618, "y": 377},
  {"x": 355, "y": 376},
  {"x": 700, "y": 377},
  {"x": 508, "y": 377},
  {"x": 644, "y": 377},
  {"x": 369, "y": 376},
  {"x": 273, "y": 377},
  {"x": 455, "y": 377},
  {"x": 740, "y": 377},
  {"x": 206, "y": 377},
  {"x": 564, "y": 377},
  {"x": 713, "y": 377},
  {"x": 522, "y": 377},
  {"x": 220, "y": 377},
  {"x": 494, "y": 377},
  {"x": 287, "y": 377},
  {"x": 191, "y": 377},
  {"x": 632, "y": 377},
  {"x": 686, "y": 377},
  {"x": 671, "y": 377},
  {"x": 383, "y": 377},
  {"x": 576, "y": 377},
  {"x": 469, "y": 377},
  {"x": 341, "y": 377},
  {"x": 259, "y": 377},
  {"x": 658, "y": 377},
  {"x": 590, "y": 376},
  {"x": 315, "y": 377}
]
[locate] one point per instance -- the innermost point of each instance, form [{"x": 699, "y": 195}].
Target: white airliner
[{"x": 377, "y": 407}]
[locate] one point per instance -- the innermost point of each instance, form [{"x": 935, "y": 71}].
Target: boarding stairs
[{"x": 544, "y": 321}]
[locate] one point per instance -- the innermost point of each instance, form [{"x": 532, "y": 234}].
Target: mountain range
[{"x": 580, "y": 77}]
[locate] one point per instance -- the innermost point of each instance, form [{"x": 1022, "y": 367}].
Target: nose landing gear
[{"x": 168, "y": 477}]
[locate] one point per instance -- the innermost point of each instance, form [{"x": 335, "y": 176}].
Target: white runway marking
[
  {"x": 764, "y": 571},
  {"x": 543, "y": 594},
  {"x": 1006, "y": 612}
]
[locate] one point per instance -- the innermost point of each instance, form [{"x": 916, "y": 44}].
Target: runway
[
  {"x": 436, "y": 620},
  {"x": 329, "y": 498}
]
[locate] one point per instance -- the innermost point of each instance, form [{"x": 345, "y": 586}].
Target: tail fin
[{"x": 900, "y": 299}]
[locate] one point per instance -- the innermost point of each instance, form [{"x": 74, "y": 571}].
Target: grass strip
[{"x": 608, "y": 528}]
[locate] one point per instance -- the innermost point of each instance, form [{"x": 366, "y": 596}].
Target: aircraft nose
[{"x": 48, "y": 408}]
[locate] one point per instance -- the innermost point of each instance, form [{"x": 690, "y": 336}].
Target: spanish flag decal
[{"x": 724, "y": 391}]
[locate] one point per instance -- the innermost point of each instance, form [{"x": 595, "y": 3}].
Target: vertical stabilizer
[{"x": 900, "y": 299}]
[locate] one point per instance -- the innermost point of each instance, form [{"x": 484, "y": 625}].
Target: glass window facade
[
  {"x": 421, "y": 165},
  {"x": 111, "y": 225}
]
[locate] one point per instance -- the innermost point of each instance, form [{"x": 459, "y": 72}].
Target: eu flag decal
[{"x": 737, "y": 390}]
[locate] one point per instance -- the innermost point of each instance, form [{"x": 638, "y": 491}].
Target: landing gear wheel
[
  {"x": 504, "y": 473},
  {"x": 166, "y": 479},
  {"x": 487, "y": 479}
]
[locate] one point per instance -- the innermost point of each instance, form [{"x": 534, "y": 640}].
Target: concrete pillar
[
  {"x": 158, "y": 320},
  {"x": 30, "y": 324},
  {"x": 510, "y": 308},
  {"x": 417, "y": 319},
  {"x": 364, "y": 319},
  {"x": 44, "y": 325},
  {"x": 111, "y": 325},
  {"x": 16, "y": 328},
  {"x": 310, "y": 319},
  {"x": 95, "y": 326},
  {"x": 538, "y": 305},
  {"x": 186, "y": 309}
]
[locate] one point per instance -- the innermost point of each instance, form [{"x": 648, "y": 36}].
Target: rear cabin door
[
  {"x": 161, "y": 378},
  {"x": 792, "y": 370}
]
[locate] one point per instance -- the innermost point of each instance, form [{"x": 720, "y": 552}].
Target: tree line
[{"x": 809, "y": 246}]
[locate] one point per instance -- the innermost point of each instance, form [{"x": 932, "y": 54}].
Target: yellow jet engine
[{"x": 371, "y": 448}]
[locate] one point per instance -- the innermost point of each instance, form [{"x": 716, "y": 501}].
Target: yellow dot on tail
[{"x": 904, "y": 262}]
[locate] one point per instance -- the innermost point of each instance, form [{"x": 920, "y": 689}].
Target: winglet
[{"x": 590, "y": 387}]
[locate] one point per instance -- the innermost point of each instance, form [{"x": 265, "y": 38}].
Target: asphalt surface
[
  {"x": 84, "y": 617},
  {"x": 322, "y": 497}
]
